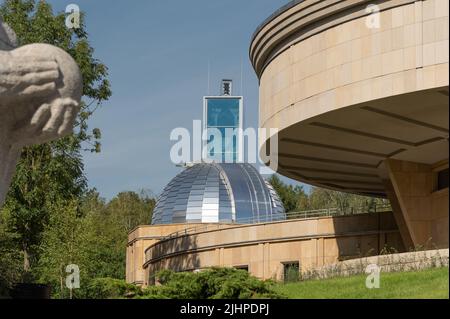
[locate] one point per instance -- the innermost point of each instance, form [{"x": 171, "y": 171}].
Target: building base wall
[
  {"x": 139, "y": 240},
  {"x": 264, "y": 249}
]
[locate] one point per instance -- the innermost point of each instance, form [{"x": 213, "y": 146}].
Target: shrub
[
  {"x": 214, "y": 283},
  {"x": 109, "y": 288}
]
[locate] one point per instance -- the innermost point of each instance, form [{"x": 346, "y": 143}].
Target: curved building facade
[
  {"x": 218, "y": 193},
  {"x": 359, "y": 93}
]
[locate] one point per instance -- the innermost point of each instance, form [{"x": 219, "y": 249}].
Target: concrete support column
[
  {"x": 410, "y": 187},
  {"x": 399, "y": 216}
]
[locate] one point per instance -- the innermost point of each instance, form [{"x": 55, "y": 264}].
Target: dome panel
[{"x": 213, "y": 193}]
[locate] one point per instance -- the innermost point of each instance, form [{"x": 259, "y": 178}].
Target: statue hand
[
  {"x": 26, "y": 76},
  {"x": 50, "y": 121}
]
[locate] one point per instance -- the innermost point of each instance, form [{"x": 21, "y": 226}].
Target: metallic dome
[{"x": 218, "y": 193}]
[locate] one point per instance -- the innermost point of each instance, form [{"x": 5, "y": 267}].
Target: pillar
[{"x": 410, "y": 188}]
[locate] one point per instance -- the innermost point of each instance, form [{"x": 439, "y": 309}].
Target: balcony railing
[{"x": 318, "y": 213}]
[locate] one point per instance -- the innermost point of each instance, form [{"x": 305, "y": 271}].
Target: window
[
  {"x": 244, "y": 267},
  {"x": 291, "y": 271},
  {"x": 442, "y": 179},
  {"x": 223, "y": 121}
]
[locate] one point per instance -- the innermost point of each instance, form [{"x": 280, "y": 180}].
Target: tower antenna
[
  {"x": 209, "y": 76},
  {"x": 242, "y": 76}
]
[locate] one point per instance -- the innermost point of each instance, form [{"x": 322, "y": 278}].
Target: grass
[{"x": 425, "y": 284}]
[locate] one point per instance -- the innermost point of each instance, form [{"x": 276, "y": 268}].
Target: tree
[
  {"x": 295, "y": 199},
  {"x": 320, "y": 198},
  {"x": 92, "y": 236},
  {"x": 52, "y": 172},
  {"x": 10, "y": 263},
  {"x": 62, "y": 244},
  {"x": 291, "y": 196},
  {"x": 132, "y": 209},
  {"x": 107, "y": 231}
]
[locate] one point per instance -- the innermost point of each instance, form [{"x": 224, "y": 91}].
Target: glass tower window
[{"x": 222, "y": 124}]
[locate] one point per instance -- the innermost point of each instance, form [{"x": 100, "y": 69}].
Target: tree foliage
[
  {"x": 291, "y": 196},
  {"x": 93, "y": 238},
  {"x": 295, "y": 199},
  {"x": 111, "y": 288},
  {"x": 320, "y": 198},
  {"x": 10, "y": 260},
  {"x": 53, "y": 172}
]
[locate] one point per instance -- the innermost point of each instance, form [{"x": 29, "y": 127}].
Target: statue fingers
[
  {"x": 38, "y": 90},
  {"x": 9, "y": 80},
  {"x": 70, "y": 113},
  {"x": 33, "y": 58},
  {"x": 56, "y": 119},
  {"x": 28, "y": 131},
  {"x": 40, "y": 77},
  {"x": 26, "y": 67},
  {"x": 40, "y": 118},
  {"x": 18, "y": 83}
]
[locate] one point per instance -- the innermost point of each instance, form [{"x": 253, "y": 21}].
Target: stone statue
[{"x": 40, "y": 93}]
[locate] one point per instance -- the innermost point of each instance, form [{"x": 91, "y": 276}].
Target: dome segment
[{"x": 218, "y": 193}]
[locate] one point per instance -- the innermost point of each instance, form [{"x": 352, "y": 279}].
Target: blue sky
[{"x": 157, "y": 52}]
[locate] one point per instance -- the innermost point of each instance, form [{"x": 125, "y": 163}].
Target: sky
[{"x": 158, "y": 52}]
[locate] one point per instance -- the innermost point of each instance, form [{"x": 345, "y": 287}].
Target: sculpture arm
[
  {"x": 26, "y": 76},
  {"x": 40, "y": 93}
]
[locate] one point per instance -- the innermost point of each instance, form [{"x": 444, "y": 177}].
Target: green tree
[
  {"x": 107, "y": 231},
  {"x": 320, "y": 198},
  {"x": 132, "y": 209},
  {"x": 62, "y": 244},
  {"x": 10, "y": 261},
  {"x": 52, "y": 172},
  {"x": 92, "y": 236},
  {"x": 291, "y": 196},
  {"x": 295, "y": 199}
]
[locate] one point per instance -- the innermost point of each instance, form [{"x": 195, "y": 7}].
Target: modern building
[
  {"x": 226, "y": 214},
  {"x": 359, "y": 93}
]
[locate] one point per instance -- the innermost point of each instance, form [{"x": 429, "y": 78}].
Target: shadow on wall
[
  {"x": 381, "y": 236},
  {"x": 165, "y": 255}
]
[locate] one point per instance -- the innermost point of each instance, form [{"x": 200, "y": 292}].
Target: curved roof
[
  {"x": 284, "y": 8},
  {"x": 212, "y": 193}
]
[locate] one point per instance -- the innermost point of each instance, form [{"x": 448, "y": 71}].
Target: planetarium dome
[{"x": 218, "y": 193}]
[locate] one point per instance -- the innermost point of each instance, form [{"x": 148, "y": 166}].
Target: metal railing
[{"x": 327, "y": 212}]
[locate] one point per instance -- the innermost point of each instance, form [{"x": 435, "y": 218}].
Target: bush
[
  {"x": 214, "y": 283},
  {"x": 109, "y": 288}
]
